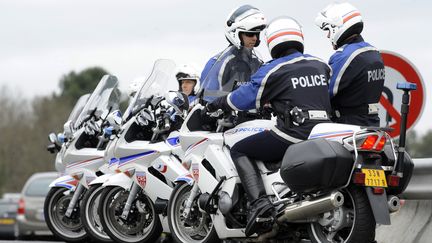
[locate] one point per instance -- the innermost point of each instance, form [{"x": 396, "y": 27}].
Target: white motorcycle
[
  {"x": 81, "y": 161},
  {"x": 133, "y": 202},
  {"x": 334, "y": 187},
  {"x": 90, "y": 202}
]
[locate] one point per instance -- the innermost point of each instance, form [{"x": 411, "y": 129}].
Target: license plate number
[
  {"x": 7, "y": 221},
  {"x": 375, "y": 178}
]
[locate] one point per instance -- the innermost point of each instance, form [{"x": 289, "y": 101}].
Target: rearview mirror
[
  {"x": 52, "y": 138},
  {"x": 114, "y": 118},
  {"x": 178, "y": 101},
  {"x": 54, "y": 146},
  {"x": 68, "y": 129}
]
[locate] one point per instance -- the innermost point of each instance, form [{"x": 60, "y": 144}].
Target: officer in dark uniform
[
  {"x": 296, "y": 86},
  {"x": 358, "y": 70},
  {"x": 234, "y": 66}
]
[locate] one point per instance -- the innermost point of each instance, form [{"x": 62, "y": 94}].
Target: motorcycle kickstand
[
  {"x": 189, "y": 201},
  {"x": 74, "y": 200},
  {"x": 132, "y": 194}
]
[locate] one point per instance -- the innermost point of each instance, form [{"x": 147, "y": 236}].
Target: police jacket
[
  {"x": 229, "y": 69},
  {"x": 357, "y": 79},
  {"x": 295, "y": 80}
]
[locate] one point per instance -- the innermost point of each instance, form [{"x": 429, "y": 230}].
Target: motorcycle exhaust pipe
[
  {"x": 393, "y": 204},
  {"x": 307, "y": 209}
]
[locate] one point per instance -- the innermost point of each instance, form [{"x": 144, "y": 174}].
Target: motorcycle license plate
[
  {"x": 7, "y": 221},
  {"x": 375, "y": 178}
]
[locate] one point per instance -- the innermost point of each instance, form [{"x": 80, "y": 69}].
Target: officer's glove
[{"x": 218, "y": 103}]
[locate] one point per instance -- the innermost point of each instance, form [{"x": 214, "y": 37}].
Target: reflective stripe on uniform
[
  {"x": 222, "y": 69},
  {"x": 341, "y": 72},
  {"x": 231, "y": 104},
  {"x": 264, "y": 81}
]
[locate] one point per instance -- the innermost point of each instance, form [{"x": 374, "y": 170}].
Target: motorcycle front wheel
[
  {"x": 354, "y": 222},
  {"x": 90, "y": 216},
  {"x": 142, "y": 223},
  {"x": 197, "y": 228},
  {"x": 69, "y": 229}
]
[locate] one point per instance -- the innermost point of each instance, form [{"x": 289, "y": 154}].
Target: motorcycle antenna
[{"x": 406, "y": 87}]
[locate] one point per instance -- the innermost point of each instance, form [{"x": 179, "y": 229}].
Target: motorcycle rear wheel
[
  {"x": 200, "y": 229},
  {"x": 69, "y": 229},
  {"x": 362, "y": 222},
  {"x": 142, "y": 224}
]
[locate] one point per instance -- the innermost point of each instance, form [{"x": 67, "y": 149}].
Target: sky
[{"x": 42, "y": 40}]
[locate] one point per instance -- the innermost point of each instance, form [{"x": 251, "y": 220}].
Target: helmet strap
[{"x": 257, "y": 42}]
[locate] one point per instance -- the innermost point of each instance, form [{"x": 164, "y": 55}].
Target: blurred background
[{"x": 52, "y": 52}]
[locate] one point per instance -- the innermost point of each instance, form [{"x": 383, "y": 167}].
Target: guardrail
[{"x": 420, "y": 186}]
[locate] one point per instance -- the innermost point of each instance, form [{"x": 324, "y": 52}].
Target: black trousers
[{"x": 265, "y": 146}]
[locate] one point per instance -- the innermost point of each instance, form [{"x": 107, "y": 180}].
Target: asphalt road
[{"x": 412, "y": 224}]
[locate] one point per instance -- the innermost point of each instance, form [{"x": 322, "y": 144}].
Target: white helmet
[
  {"x": 341, "y": 20},
  {"x": 186, "y": 71},
  {"x": 284, "y": 33},
  {"x": 244, "y": 19}
]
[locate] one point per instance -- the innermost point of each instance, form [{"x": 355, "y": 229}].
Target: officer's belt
[
  {"x": 369, "y": 109},
  {"x": 315, "y": 115},
  {"x": 297, "y": 116}
]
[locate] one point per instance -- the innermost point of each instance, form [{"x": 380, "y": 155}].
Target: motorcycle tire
[
  {"x": 178, "y": 224},
  {"x": 362, "y": 229},
  {"x": 90, "y": 215},
  {"x": 69, "y": 229},
  {"x": 142, "y": 223}
]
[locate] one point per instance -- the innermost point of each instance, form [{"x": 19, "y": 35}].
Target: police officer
[
  {"x": 188, "y": 79},
  {"x": 295, "y": 84},
  {"x": 234, "y": 66},
  {"x": 358, "y": 69}
]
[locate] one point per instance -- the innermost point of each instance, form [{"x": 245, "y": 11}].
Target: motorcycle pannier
[{"x": 316, "y": 164}]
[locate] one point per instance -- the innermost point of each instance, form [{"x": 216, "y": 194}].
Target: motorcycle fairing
[{"x": 66, "y": 181}]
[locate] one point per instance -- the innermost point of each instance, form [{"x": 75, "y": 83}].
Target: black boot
[{"x": 260, "y": 217}]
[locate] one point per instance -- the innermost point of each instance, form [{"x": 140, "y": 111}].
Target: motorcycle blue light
[
  {"x": 108, "y": 130},
  {"x": 406, "y": 86},
  {"x": 61, "y": 138}
]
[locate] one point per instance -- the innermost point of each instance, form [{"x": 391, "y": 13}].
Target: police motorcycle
[
  {"x": 90, "y": 203},
  {"x": 334, "y": 187},
  {"x": 80, "y": 162},
  {"x": 132, "y": 205},
  {"x": 57, "y": 141}
]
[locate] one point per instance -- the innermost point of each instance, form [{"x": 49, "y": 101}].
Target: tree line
[{"x": 25, "y": 125}]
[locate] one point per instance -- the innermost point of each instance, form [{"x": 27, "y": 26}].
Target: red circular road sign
[{"x": 399, "y": 69}]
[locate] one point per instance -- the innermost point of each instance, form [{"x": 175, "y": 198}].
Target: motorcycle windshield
[
  {"x": 161, "y": 79},
  {"x": 79, "y": 105},
  {"x": 211, "y": 86},
  {"x": 104, "y": 97}
]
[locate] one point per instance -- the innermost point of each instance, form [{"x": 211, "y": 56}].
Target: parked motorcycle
[
  {"x": 90, "y": 202},
  {"x": 334, "y": 187},
  {"x": 133, "y": 203},
  {"x": 81, "y": 161}
]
